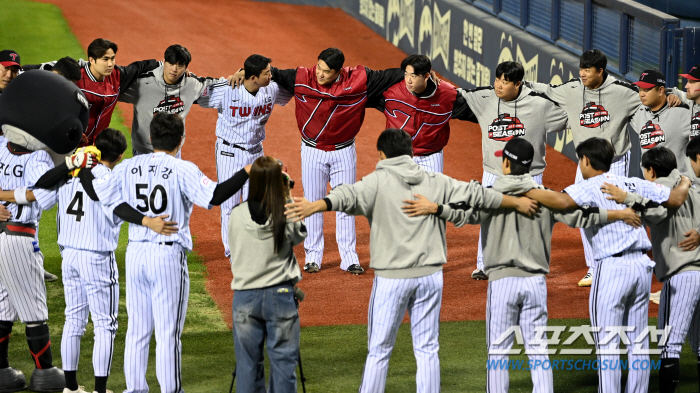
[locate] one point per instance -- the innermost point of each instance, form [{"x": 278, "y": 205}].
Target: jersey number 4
[
  {"x": 75, "y": 207},
  {"x": 149, "y": 201}
]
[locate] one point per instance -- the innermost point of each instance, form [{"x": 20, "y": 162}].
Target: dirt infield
[{"x": 220, "y": 35}]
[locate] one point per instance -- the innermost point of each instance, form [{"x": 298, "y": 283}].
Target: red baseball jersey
[
  {"x": 329, "y": 117},
  {"x": 426, "y": 119}
]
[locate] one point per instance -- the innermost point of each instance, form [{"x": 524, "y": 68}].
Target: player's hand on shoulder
[
  {"x": 435, "y": 77},
  {"x": 631, "y": 218},
  {"x": 673, "y": 100},
  {"x": 419, "y": 207},
  {"x": 160, "y": 226},
  {"x": 691, "y": 241},
  {"x": 81, "y": 160},
  {"x": 4, "y": 213},
  {"x": 527, "y": 206},
  {"x": 616, "y": 193},
  {"x": 236, "y": 79}
]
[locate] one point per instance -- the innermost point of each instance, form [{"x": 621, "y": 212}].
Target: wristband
[{"x": 21, "y": 196}]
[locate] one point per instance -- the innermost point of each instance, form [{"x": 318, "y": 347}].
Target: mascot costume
[{"x": 43, "y": 117}]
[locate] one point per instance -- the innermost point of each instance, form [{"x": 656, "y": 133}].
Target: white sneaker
[
  {"x": 108, "y": 391},
  {"x": 81, "y": 389},
  {"x": 587, "y": 280}
]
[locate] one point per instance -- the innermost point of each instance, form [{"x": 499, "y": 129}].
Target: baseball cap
[
  {"x": 693, "y": 74},
  {"x": 651, "y": 78},
  {"x": 520, "y": 151},
  {"x": 8, "y": 58}
]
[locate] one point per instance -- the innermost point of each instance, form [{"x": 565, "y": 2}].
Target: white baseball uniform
[
  {"x": 240, "y": 131},
  {"x": 22, "y": 288},
  {"x": 157, "y": 279},
  {"x": 621, "y": 277},
  {"x": 88, "y": 233}
]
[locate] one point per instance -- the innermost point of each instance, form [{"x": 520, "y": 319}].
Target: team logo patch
[
  {"x": 695, "y": 125},
  {"x": 593, "y": 116},
  {"x": 651, "y": 135},
  {"x": 14, "y": 56},
  {"x": 227, "y": 154},
  {"x": 171, "y": 104},
  {"x": 506, "y": 128}
]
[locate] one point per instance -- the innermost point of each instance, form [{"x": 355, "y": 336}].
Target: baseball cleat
[
  {"x": 49, "y": 277},
  {"x": 46, "y": 380},
  {"x": 81, "y": 389},
  {"x": 311, "y": 267},
  {"x": 586, "y": 281},
  {"x": 12, "y": 380},
  {"x": 655, "y": 297},
  {"x": 479, "y": 275},
  {"x": 356, "y": 269}
]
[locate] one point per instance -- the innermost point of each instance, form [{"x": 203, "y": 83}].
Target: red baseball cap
[
  {"x": 9, "y": 58},
  {"x": 651, "y": 78},
  {"x": 693, "y": 74}
]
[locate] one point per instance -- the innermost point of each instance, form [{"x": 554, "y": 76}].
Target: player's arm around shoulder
[{"x": 552, "y": 199}]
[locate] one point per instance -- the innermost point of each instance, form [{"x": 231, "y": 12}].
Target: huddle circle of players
[{"x": 155, "y": 192}]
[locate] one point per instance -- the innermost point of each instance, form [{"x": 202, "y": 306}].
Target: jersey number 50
[{"x": 149, "y": 202}]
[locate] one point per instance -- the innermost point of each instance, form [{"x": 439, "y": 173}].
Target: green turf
[{"x": 333, "y": 356}]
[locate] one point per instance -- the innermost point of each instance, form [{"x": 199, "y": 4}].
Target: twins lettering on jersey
[
  {"x": 245, "y": 111},
  {"x": 505, "y": 128},
  {"x": 651, "y": 135},
  {"x": 171, "y": 104},
  {"x": 695, "y": 125},
  {"x": 593, "y": 115}
]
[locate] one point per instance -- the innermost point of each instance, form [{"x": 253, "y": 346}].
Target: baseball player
[
  {"x": 22, "y": 289},
  {"x": 9, "y": 67},
  {"x": 157, "y": 279},
  {"x": 674, "y": 240},
  {"x": 240, "y": 129},
  {"x": 691, "y": 97},
  {"x": 67, "y": 67},
  {"x": 330, "y": 102},
  {"x": 102, "y": 82},
  {"x": 597, "y": 105},
  {"x": 519, "y": 112},
  {"x": 517, "y": 293},
  {"x": 167, "y": 88},
  {"x": 423, "y": 108},
  {"x": 657, "y": 123},
  {"x": 622, "y": 270},
  {"x": 407, "y": 252}
]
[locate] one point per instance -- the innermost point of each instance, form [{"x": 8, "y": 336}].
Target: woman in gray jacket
[{"x": 265, "y": 271}]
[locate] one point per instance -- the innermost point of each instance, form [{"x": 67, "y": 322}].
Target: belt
[
  {"x": 165, "y": 243},
  {"x": 337, "y": 146},
  {"x": 627, "y": 252},
  {"x": 18, "y": 229},
  {"x": 235, "y": 146}
]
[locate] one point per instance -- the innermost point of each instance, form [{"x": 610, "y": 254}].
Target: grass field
[{"x": 333, "y": 356}]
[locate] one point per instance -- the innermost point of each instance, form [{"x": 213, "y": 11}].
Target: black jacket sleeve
[
  {"x": 86, "y": 177},
  {"x": 226, "y": 189},
  {"x": 129, "y": 73},
  {"x": 52, "y": 177},
  {"x": 462, "y": 111},
  {"x": 379, "y": 81},
  {"x": 285, "y": 78}
]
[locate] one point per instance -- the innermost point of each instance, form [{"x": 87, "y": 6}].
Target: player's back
[
  {"x": 83, "y": 223},
  {"x": 158, "y": 184},
  {"x": 616, "y": 237},
  {"x": 19, "y": 168}
]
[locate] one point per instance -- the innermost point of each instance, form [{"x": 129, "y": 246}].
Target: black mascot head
[{"x": 41, "y": 110}]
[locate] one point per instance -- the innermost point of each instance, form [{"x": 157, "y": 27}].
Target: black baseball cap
[
  {"x": 520, "y": 151},
  {"x": 651, "y": 78},
  {"x": 693, "y": 74},
  {"x": 9, "y": 58}
]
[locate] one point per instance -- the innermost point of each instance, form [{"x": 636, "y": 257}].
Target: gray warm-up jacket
[
  {"x": 668, "y": 127},
  {"x": 601, "y": 112},
  {"x": 514, "y": 244},
  {"x": 150, "y": 95},
  {"x": 402, "y": 246},
  {"x": 668, "y": 226},
  {"x": 694, "y": 111},
  {"x": 254, "y": 263},
  {"x": 529, "y": 116}
]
